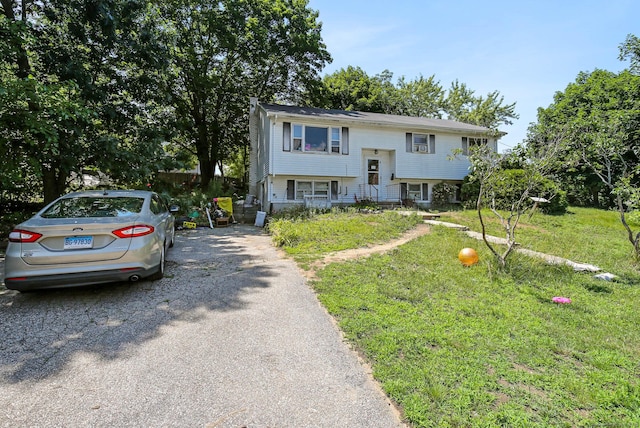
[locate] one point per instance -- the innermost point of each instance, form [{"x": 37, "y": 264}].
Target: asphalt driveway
[{"x": 231, "y": 337}]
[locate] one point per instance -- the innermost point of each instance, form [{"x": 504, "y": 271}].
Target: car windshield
[{"x": 79, "y": 207}]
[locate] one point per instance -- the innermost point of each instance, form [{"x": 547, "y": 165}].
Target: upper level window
[
  {"x": 315, "y": 139},
  {"x": 307, "y": 138},
  {"x": 297, "y": 137},
  {"x": 421, "y": 143},
  {"x": 335, "y": 140},
  {"x": 468, "y": 142}
]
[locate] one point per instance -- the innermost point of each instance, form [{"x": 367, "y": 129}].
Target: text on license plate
[{"x": 78, "y": 242}]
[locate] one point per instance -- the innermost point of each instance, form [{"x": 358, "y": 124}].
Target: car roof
[{"x": 110, "y": 193}]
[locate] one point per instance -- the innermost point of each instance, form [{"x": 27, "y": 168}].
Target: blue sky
[{"x": 526, "y": 50}]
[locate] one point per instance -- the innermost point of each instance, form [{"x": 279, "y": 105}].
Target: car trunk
[{"x": 64, "y": 243}]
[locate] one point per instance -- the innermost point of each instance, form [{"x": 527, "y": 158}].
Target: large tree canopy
[
  {"x": 598, "y": 120},
  {"x": 102, "y": 84},
  {"x": 224, "y": 52},
  {"x": 76, "y": 89},
  {"x": 353, "y": 89}
]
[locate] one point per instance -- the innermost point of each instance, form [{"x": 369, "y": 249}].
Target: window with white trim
[
  {"x": 317, "y": 139},
  {"x": 414, "y": 191},
  {"x": 304, "y": 188},
  {"x": 335, "y": 140},
  {"x": 309, "y": 188},
  {"x": 421, "y": 143},
  {"x": 469, "y": 142},
  {"x": 297, "y": 137},
  {"x": 299, "y": 189}
]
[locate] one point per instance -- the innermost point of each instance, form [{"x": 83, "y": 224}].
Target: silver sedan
[{"x": 90, "y": 238}]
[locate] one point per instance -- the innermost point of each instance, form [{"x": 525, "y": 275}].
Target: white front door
[
  {"x": 372, "y": 179},
  {"x": 373, "y": 172}
]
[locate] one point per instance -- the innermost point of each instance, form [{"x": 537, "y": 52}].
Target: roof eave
[{"x": 345, "y": 120}]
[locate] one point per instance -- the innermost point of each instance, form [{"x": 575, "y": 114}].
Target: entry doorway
[{"x": 373, "y": 172}]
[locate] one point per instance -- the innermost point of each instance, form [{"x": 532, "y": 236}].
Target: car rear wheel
[{"x": 160, "y": 272}]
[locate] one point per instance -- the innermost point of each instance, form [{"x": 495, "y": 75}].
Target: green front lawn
[
  {"x": 480, "y": 346},
  {"x": 583, "y": 235}
]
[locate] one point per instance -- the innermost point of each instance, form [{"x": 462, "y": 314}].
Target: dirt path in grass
[{"x": 356, "y": 253}]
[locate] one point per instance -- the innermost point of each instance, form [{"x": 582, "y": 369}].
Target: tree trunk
[
  {"x": 202, "y": 150},
  {"x": 49, "y": 184},
  {"x": 630, "y": 234},
  {"x": 595, "y": 197},
  {"x": 54, "y": 183},
  {"x": 206, "y": 170}
]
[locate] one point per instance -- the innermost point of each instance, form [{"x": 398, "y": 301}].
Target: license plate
[{"x": 78, "y": 242}]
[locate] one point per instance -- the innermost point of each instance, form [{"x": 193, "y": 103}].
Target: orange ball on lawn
[{"x": 468, "y": 256}]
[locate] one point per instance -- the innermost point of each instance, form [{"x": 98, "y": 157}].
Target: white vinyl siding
[{"x": 360, "y": 144}]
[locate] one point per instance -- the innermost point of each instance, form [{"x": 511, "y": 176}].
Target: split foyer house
[{"x": 317, "y": 157}]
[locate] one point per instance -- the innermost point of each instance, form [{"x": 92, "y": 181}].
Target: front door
[
  {"x": 373, "y": 172},
  {"x": 372, "y": 183}
]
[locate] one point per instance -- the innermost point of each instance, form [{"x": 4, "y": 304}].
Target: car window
[
  {"x": 79, "y": 207},
  {"x": 157, "y": 206}
]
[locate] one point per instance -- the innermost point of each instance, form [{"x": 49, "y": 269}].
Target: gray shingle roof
[{"x": 380, "y": 119}]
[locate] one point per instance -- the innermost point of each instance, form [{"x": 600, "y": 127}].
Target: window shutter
[
  {"x": 291, "y": 190},
  {"x": 403, "y": 190},
  {"x": 286, "y": 136},
  {"x": 409, "y": 142},
  {"x": 465, "y": 146},
  {"x": 425, "y": 191},
  {"x": 432, "y": 143},
  {"x": 345, "y": 141}
]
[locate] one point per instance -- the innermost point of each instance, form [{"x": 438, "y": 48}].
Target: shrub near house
[{"x": 512, "y": 185}]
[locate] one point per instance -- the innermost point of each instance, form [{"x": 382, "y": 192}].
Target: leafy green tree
[
  {"x": 630, "y": 49},
  {"x": 581, "y": 117},
  {"x": 422, "y": 97},
  {"x": 463, "y": 105},
  {"x": 506, "y": 192},
  {"x": 616, "y": 163},
  {"x": 224, "y": 52},
  {"x": 353, "y": 89},
  {"x": 598, "y": 118},
  {"x": 78, "y": 88}
]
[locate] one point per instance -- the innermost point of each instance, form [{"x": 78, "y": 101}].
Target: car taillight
[
  {"x": 133, "y": 231},
  {"x": 19, "y": 235}
]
